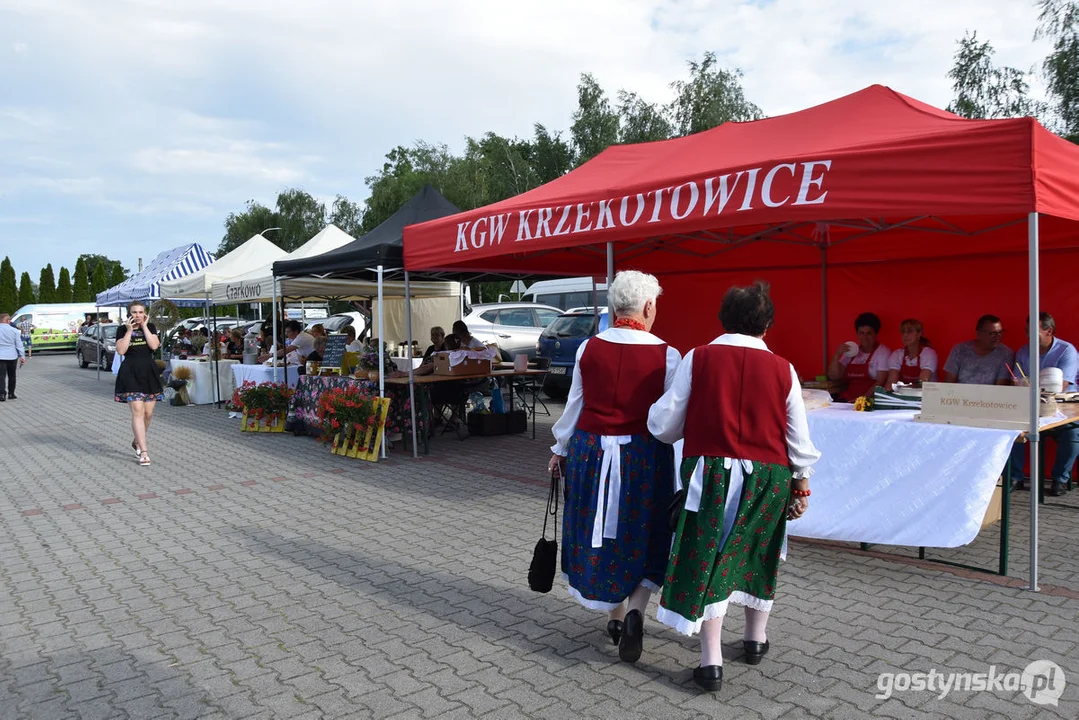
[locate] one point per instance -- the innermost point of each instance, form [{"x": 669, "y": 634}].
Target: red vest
[
  {"x": 738, "y": 404},
  {"x": 620, "y": 384}
]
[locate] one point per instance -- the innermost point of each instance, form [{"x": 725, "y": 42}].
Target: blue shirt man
[
  {"x": 1058, "y": 354},
  {"x": 1054, "y": 353}
]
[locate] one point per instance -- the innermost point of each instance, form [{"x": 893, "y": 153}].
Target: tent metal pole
[
  {"x": 610, "y": 279},
  {"x": 824, "y": 305},
  {"x": 411, "y": 374},
  {"x": 97, "y": 321},
  {"x": 1034, "y": 324},
  {"x": 216, "y": 347},
  {"x": 273, "y": 340},
  {"x": 378, "y": 349}
]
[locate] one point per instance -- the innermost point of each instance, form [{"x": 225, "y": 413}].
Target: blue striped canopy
[{"x": 145, "y": 286}]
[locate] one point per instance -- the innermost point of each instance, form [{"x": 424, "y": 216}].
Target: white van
[
  {"x": 56, "y": 325},
  {"x": 566, "y": 293}
]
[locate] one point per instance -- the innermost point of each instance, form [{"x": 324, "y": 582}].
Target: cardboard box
[
  {"x": 466, "y": 367},
  {"x": 994, "y": 513}
]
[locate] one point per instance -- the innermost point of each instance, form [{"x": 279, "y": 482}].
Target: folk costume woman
[
  {"x": 747, "y": 458},
  {"x": 138, "y": 381},
  {"x": 619, "y": 479}
]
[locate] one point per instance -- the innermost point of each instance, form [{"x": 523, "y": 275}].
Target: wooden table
[{"x": 509, "y": 373}]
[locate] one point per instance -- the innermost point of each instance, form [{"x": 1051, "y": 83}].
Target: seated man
[
  {"x": 1053, "y": 353},
  {"x": 298, "y": 341},
  {"x": 983, "y": 360},
  {"x": 868, "y": 367}
]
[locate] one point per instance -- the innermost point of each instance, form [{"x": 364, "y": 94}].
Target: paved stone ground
[{"x": 258, "y": 576}]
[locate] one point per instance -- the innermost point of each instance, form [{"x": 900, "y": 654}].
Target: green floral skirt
[{"x": 706, "y": 572}]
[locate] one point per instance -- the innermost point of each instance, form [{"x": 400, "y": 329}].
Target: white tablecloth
[
  {"x": 261, "y": 373},
  {"x": 883, "y": 478},
  {"x": 201, "y": 388}
]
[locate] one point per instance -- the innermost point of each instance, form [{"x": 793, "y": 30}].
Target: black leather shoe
[
  {"x": 3, "y": 398},
  {"x": 709, "y": 677},
  {"x": 614, "y": 629},
  {"x": 12, "y": 396},
  {"x": 632, "y": 641},
  {"x": 755, "y": 651},
  {"x": 1058, "y": 489}
]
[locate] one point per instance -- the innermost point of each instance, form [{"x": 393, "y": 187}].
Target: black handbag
[
  {"x": 545, "y": 556},
  {"x": 674, "y": 510}
]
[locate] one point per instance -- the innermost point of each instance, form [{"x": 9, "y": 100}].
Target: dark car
[
  {"x": 560, "y": 341},
  {"x": 89, "y": 349}
]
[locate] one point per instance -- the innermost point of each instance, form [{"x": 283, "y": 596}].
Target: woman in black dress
[{"x": 138, "y": 381}]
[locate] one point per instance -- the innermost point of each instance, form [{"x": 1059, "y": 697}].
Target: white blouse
[
  {"x": 667, "y": 418},
  {"x": 567, "y": 425},
  {"x": 927, "y": 360}
]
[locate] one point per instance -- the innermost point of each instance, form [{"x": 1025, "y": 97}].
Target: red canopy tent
[
  {"x": 873, "y": 177},
  {"x": 874, "y": 201}
]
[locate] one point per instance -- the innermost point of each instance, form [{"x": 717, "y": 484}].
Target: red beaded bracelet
[{"x": 800, "y": 493}]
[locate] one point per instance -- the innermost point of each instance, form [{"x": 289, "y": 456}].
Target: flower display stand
[
  {"x": 271, "y": 424},
  {"x": 363, "y": 443}
]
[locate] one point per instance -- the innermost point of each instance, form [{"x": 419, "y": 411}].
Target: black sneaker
[
  {"x": 1058, "y": 489},
  {"x": 12, "y": 396}
]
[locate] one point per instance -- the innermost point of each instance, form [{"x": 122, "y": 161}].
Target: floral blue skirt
[{"x": 601, "y": 578}]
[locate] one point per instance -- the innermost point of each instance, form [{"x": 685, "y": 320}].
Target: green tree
[
  {"x": 984, "y": 90},
  {"x": 347, "y": 215},
  {"x": 26, "y": 290},
  {"x": 711, "y": 97},
  {"x": 595, "y": 124},
  {"x": 404, "y": 174},
  {"x": 240, "y": 227},
  {"x": 641, "y": 121},
  {"x": 1059, "y": 22},
  {"x": 46, "y": 286},
  {"x": 93, "y": 260},
  {"x": 300, "y": 217},
  {"x": 9, "y": 291},
  {"x": 99, "y": 281},
  {"x": 80, "y": 291},
  {"x": 63, "y": 286},
  {"x": 297, "y": 213},
  {"x": 552, "y": 157},
  {"x": 116, "y": 276}
]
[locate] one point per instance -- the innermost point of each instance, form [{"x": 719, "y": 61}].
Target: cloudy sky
[{"x": 132, "y": 126}]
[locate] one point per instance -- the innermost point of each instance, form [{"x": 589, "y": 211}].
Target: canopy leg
[
  {"x": 411, "y": 375},
  {"x": 1035, "y": 459}
]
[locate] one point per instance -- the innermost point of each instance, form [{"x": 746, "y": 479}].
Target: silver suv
[{"x": 514, "y": 327}]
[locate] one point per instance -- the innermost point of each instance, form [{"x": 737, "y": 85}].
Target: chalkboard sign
[{"x": 334, "y": 353}]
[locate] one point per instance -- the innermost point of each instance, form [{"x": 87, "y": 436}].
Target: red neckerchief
[{"x": 630, "y": 324}]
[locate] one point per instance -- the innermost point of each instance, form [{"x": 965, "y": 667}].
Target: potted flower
[
  {"x": 350, "y": 418},
  {"x": 375, "y": 362},
  {"x": 264, "y": 406}
]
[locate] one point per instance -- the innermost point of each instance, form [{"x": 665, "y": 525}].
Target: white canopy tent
[
  {"x": 256, "y": 284},
  {"x": 254, "y": 254}
]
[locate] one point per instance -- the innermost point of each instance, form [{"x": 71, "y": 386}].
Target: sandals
[
  {"x": 135, "y": 447},
  {"x": 144, "y": 458}
]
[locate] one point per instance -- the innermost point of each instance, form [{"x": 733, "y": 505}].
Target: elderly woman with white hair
[{"x": 619, "y": 479}]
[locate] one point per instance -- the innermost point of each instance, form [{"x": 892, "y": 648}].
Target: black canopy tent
[
  {"x": 376, "y": 252},
  {"x": 382, "y": 246}
]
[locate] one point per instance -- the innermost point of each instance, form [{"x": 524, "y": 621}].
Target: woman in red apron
[
  {"x": 857, "y": 372},
  {"x": 915, "y": 362}
]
